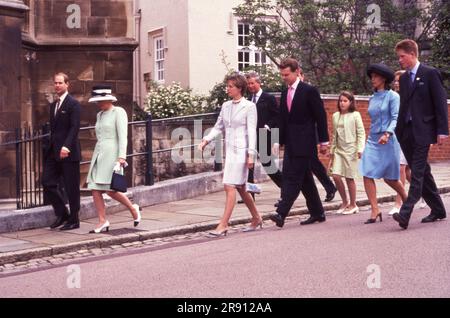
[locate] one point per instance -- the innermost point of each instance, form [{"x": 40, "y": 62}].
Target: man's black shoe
[
  {"x": 59, "y": 221},
  {"x": 432, "y": 218},
  {"x": 403, "y": 222},
  {"x": 277, "y": 204},
  {"x": 278, "y": 219},
  {"x": 313, "y": 219},
  {"x": 330, "y": 195},
  {"x": 70, "y": 226},
  {"x": 240, "y": 201}
]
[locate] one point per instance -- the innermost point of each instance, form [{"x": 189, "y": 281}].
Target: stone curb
[
  {"x": 162, "y": 192},
  {"x": 25, "y": 255}
]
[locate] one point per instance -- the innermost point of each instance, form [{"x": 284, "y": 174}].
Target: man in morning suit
[
  {"x": 422, "y": 120},
  {"x": 317, "y": 167},
  {"x": 62, "y": 158},
  {"x": 267, "y": 109},
  {"x": 301, "y": 111}
]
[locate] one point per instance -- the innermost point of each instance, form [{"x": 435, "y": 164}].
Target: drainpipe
[{"x": 137, "y": 63}]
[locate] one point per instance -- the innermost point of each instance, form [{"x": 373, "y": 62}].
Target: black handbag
[{"x": 118, "y": 182}]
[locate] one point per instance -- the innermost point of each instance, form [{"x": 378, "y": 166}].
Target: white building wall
[
  {"x": 172, "y": 17},
  {"x": 212, "y": 32}
]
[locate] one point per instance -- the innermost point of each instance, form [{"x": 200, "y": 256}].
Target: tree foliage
[
  {"x": 440, "y": 47},
  {"x": 336, "y": 40}
]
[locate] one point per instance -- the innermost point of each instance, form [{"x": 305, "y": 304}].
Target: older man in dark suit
[
  {"x": 268, "y": 111},
  {"x": 62, "y": 158},
  {"x": 301, "y": 111},
  {"x": 422, "y": 120}
]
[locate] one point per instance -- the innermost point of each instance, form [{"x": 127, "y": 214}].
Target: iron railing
[{"x": 29, "y": 145}]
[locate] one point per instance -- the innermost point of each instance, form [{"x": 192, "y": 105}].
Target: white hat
[{"x": 101, "y": 93}]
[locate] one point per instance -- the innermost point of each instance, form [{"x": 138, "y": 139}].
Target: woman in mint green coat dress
[{"x": 111, "y": 130}]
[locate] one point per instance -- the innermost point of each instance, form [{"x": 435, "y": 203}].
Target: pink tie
[{"x": 290, "y": 96}]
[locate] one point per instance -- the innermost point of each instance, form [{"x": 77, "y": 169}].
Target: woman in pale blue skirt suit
[
  {"x": 110, "y": 151},
  {"x": 381, "y": 155}
]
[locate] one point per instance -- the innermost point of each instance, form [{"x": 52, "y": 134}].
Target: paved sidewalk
[{"x": 187, "y": 216}]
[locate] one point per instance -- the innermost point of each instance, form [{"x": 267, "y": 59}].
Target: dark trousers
[
  {"x": 320, "y": 172},
  {"x": 276, "y": 177},
  {"x": 69, "y": 172},
  {"x": 422, "y": 182},
  {"x": 297, "y": 176},
  {"x": 267, "y": 161}
]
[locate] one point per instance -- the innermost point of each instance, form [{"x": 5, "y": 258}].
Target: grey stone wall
[
  {"x": 168, "y": 165},
  {"x": 12, "y": 14},
  {"x": 90, "y": 40}
]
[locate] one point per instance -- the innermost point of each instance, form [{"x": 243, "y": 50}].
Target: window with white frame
[
  {"x": 248, "y": 53},
  {"x": 159, "y": 58}
]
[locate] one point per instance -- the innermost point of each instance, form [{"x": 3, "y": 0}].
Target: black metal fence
[{"x": 29, "y": 144}]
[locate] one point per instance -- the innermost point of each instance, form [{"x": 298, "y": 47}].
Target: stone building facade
[{"x": 90, "y": 40}]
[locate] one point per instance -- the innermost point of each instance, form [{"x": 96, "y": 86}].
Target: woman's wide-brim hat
[
  {"x": 382, "y": 70},
  {"x": 102, "y": 93}
]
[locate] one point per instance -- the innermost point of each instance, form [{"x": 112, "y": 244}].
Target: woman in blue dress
[{"x": 381, "y": 156}]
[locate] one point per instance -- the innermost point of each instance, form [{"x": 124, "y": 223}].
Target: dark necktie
[
  {"x": 254, "y": 98},
  {"x": 408, "y": 117},
  {"x": 58, "y": 102}
]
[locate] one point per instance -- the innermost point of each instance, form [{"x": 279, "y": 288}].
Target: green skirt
[{"x": 98, "y": 186}]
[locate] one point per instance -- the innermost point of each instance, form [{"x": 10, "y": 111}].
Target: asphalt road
[{"x": 339, "y": 258}]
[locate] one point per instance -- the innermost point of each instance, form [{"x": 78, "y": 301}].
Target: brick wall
[{"x": 437, "y": 153}]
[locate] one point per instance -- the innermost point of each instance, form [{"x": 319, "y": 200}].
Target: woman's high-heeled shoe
[
  {"x": 253, "y": 228},
  {"x": 341, "y": 209},
  {"x": 216, "y": 233},
  {"x": 100, "y": 229},
  {"x": 370, "y": 221},
  {"x": 138, "y": 210}
]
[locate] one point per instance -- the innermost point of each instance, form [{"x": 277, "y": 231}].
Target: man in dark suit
[
  {"x": 268, "y": 111},
  {"x": 301, "y": 111},
  {"x": 422, "y": 120},
  {"x": 62, "y": 157},
  {"x": 317, "y": 167}
]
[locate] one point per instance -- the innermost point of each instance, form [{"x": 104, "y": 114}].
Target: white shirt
[
  {"x": 257, "y": 96},
  {"x": 61, "y": 101},
  {"x": 414, "y": 70}
]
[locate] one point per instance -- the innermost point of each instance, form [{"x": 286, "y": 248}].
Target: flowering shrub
[{"x": 173, "y": 100}]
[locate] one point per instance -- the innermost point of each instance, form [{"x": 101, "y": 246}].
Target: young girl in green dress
[{"x": 348, "y": 138}]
